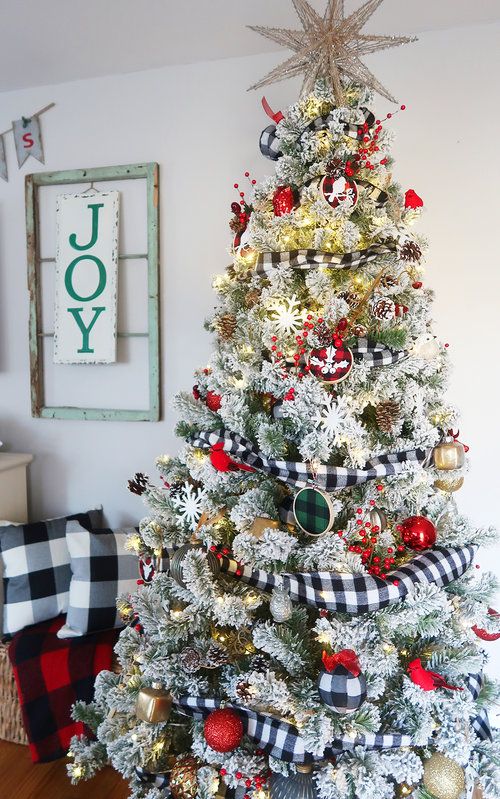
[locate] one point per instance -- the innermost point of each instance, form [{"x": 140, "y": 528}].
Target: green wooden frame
[{"x": 149, "y": 172}]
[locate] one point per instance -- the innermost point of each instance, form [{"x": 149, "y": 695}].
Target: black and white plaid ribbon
[
  {"x": 159, "y": 780},
  {"x": 373, "y": 353},
  {"x": 270, "y": 146},
  {"x": 480, "y": 723},
  {"x": 280, "y": 739},
  {"x": 359, "y": 593},
  {"x": 299, "y": 474},
  {"x": 307, "y": 259},
  {"x": 379, "y": 196}
]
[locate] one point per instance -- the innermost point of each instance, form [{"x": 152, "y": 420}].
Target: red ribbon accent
[
  {"x": 347, "y": 658},
  {"x": 275, "y": 116},
  {"x": 455, "y": 436}
]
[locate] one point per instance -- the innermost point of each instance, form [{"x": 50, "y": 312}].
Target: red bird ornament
[
  {"x": 428, "y": 680},
  {"x": 221, "y": 461}
]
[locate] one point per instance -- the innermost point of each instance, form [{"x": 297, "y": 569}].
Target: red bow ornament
[
  {"x": 428, "y": 680},
  {"x": 221, "y": 461},
  {"x": 346, "y": 658}
]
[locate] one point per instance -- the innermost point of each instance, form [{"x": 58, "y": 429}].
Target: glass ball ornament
[
  {"x": 300, "y": 785},
  {"x": 418, "y": 533},
  {"x": 281, "y": 606},
  {"x": 223, "y": 730},
  {"x": 443, "y": 777},
  {"x": 448, "y": 455},
  {"x": 449, "y": 484}
]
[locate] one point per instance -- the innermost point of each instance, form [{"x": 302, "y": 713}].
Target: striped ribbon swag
[
  {"x": 307, "y": 259},
  {"x": 358, "y": 593},
  {"x": 299, "y": 474},
  {"x": 281, "y": 739}
]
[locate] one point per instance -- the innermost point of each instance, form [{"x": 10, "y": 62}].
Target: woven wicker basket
[{"x": 11, "y": 720}]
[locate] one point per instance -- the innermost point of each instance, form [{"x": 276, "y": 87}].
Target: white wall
[{"x": 202, "y": 126}]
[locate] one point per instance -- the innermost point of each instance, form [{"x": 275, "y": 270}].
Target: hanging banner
[
  {"x": 28, "y": 139},
  {"x": 3, "y": 160},
  {"x": 86, "y": 277}
]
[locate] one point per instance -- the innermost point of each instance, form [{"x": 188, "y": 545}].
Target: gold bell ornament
[
  {"x": 449, "y": 454},
  {"x": 443, "y": 778},
  {"x": 154, "y": 704}
]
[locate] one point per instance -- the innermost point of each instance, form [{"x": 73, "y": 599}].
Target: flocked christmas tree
[{"x": 311, "y": 623}]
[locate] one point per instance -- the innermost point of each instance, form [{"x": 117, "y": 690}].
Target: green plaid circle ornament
[{"x": 313, "y": 510}]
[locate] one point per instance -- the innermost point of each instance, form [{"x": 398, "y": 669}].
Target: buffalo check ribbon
[
  {"x": 358, "y": 593},
  {"x": 374, "y": 353},
  {"x": 281, "y": 739},
  {"x": 267, "y": 262},
  {"x": 299, "y": 474},
  {"x": 270, "y": 144},
  {"x": 480, "y": 723}
]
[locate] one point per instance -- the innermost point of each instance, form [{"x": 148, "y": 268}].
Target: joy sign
[{"x": 86, "y": 278}]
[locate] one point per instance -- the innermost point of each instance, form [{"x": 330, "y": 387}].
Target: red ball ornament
[
  {"x": 283, "y": 200},
  {"x": 331, "y": 364},
  {"x": 340, "y": 189},
  {"x": 484, "y": 635},
  {"x": 213, "y": 401},
  {"x": 412, "y": 200},
  {"x": 223, "y": 730},
  {"x": 418, "y": 533}
]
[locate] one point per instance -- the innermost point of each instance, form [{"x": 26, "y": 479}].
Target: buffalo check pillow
[
  {"x": 101, "y": 570},
  {"x": 36, "y": 569}
]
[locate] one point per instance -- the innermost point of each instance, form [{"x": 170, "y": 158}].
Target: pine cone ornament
[
  {"x": 388, "y": 281},
  {"x": 383, "y": 308},
  {"x": 387, "y": 414},
  {"x": 323, "y": 334},
  {"x": 410, "y": 251},
  {"x": 139, "y": 484},
  {"x": 259, "y": 663},
  {"x": 243, "y": 692},
  {"x": 360, "y": 331},
  {"x": 216, "y": 655},
  {"x": 350, "y": 297},
  {"x": 225, "y": 325},
  {"x": 252, "y": 298},
  {"x": 190, "y": 659}
]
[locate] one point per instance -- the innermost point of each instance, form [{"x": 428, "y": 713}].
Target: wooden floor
[{"x": 21, "y": 779}]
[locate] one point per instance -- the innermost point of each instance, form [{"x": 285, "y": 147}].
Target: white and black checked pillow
[
  {"x": 36, "y": 569},
  {"x": 101, "y": 570}
]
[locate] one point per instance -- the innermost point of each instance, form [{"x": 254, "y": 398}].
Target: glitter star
[{"x": 330, "y": 46}]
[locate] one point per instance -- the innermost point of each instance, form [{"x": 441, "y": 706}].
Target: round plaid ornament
[
  {"x": 340, "y": 684},
  {"x": 339, "y": 189},
  {"x": 146, "y": 568},
  {"x": 313, "y": 510},
  {"x": 331, "y": 364}
]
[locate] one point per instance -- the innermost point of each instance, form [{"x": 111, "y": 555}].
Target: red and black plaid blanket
[{"x": 51, "y": 675}]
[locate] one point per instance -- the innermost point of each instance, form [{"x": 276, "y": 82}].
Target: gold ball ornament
[
  {"x": 403, "y": 790},
  {"x": 449, "y": 484},
  {"x": 183, "y": 778},
  {"x": 449, "y": 455},
  {"x": 443, "y": 777}
]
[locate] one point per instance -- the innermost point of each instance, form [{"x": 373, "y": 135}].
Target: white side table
[{"x": 13, "y": 487}]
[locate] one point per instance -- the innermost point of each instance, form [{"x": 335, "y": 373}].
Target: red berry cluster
[
  {"x": 362, "y": 157},
  {"x": 256, "y": 783},
  {"x": 378, "y": 562},
  {"x": 221, "y": 552}
]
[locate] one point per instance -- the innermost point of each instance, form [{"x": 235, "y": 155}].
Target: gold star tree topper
[{"x": 330, "y": 46}]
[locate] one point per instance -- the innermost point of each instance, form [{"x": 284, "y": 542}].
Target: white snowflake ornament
[
  {"x": 330, "y": 416},
  {"x": 287, "y": 315},
  {"x": 188, "y": 501}
]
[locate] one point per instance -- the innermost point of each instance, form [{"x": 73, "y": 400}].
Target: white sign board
[{"x": 86, "y": 278}]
